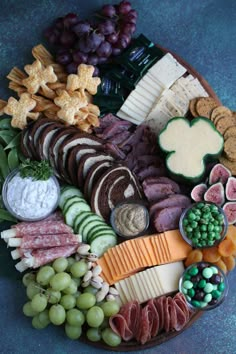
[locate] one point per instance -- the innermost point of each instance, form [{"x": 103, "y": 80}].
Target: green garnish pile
[{"x": 38, "y": 170}]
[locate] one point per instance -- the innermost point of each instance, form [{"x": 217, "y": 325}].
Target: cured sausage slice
[{"x": 119, "y": 325}]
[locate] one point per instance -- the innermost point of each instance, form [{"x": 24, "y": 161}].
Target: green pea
[
  {"x": 203, "y": 228},
  {"x": 204, "y": 235},
  {"x": 213, "y": 208},
  {"x": 194, "y": 224},
  {"x": 189, "y": 229},
  {"x": 206, "y": 216},
  {"x": 191, "y": 216},
  {"x": 187, "y": 277},
  {"x": 217, "y": 236},
  {"x": 210, "y": 227},
  {"x": 211, "y": 235},
  {"x": 185, "y": 222},
  {"x": 211, "y": 243},
  {"x": 216, "y": 228},
  {"x": 197, "y": 234},
  {"x": 200, "y": 205}
]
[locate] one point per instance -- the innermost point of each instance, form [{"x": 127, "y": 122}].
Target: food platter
[{"x": 162, "y": 337}]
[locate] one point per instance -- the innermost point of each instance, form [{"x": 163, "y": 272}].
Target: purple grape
[
  {"x": 134, "y": 13},
  {"x": 72, "y": 68},
  {"x": 124, "y": 7},
  {"x": 104, "y": 50},
  {"x": 93, "y": 41},
  {"x": 81, "y": 45},
  {"x": 67, "y": 38},
  {"x": 52, "y": 35},
  {"x": 112, "y": 38},
  {"x": 130, "y": 19},
  {"x": 81, "y": 27},
  {"x": 79, "y": 57},
  {"x": 64, "y": 58},
  {"x": 108, "y": 11},
  {"x": 106, "y": 27},
  {"x": 96, "y": 71},
  {"x": 102, "y": 60},
  {"x": 59, "y": 23},
  {"x": 92, "y": 60},
  {"x": 70, "y": 20},
  {"x": 129, "y": 28},
  {"x": 123, "y": 41},
  {"x": 116, "y": 51}
]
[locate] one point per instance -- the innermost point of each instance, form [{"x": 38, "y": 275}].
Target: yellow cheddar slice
[
  {"x": 163, "y": 248},
  {"x": 179, "y": 249}
]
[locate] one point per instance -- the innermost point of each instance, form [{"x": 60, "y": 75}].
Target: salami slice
[
  {"x": 41, "y": 228},
  {"x": 181, "y": 302},
  {"x": 47, "y": 241},
  {"x": 119, "y": 325},
  {"x": 181, "y": 318},
  {"x": 154, "y": 328},
  {"x": 131, "y": 312},
  {"x": 159, "y": 304},
  {"x": 166, "y": 314},
  {"x": 144, "y": 333}
]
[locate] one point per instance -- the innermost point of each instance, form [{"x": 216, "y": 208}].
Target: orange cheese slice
[{"x": 179, "y": 249}]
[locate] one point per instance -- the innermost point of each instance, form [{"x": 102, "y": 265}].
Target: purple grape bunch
[{"x": 92, "y": 42}]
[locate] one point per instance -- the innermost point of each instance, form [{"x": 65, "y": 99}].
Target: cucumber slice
[
  {"x": 73, "y": 210},
  {"x": 68, "y": 192},
  {"x": 86, "y": 225},
  {"x": 103, "y": 232},
  {"x": 97, "y": 229},
  {"x": 100, "y": 244},
  {"x": 70, "y": 201},
  {"x": 80, "y": 218}
]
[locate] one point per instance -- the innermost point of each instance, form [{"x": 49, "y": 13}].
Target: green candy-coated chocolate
[
  {"x": 221, "y": 286},
  {"x": 216, "y": 294},
  {"x": 207, "y": 273},
  {"x": 214, "y": 270},
  {"x": 191, "y": 292},
  {"x": 208, "y": 288},
  {"x": 187, "y": 277},
  {"x": 184, "y": 291},
  {"x": 207, "y": 298},
  {"x": 203, "y": 304},
  {"x": 196, "y": 303},
  {"x": 193, "y": 271},
  {"x": 202, "y": 283},
  {"x": 187, "y": 284}
]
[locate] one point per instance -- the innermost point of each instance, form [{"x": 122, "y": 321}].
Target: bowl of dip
[
  {"x": 28, "y": 199},
  {"x": 130, "y": 219}
]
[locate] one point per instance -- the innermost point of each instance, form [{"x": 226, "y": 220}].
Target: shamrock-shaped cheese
[{"x": 188, "y": 144}]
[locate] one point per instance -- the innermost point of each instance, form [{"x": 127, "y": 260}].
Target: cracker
[
  {"x": 205, "y": 106},
  {"x": 217, "y": 118},
  {"x": 84, "y": 80},
  {"x": 70, "y": 105},
  {"x": 20, "y": 110},
  {"x": 192, "y": 108},
  {"x": 39, "y": 76},
  {"x": 2, "y": 105},
  {"x": 220, "y": 111},
  {"x": 224, "y": 123},
  {"x": 231, "y": 131},
  {"x": 228, "y": 164},
  {"x": 230, "y": 149}
]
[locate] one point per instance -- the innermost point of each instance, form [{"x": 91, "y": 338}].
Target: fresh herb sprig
[{"x": 37, "y": 170}]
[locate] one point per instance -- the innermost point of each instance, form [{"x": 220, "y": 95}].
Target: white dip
[{"x": 31, "y": 199}]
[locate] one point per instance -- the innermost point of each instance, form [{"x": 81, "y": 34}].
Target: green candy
[
  {"x": 187, "y": 277},
  {"x": 187, "y": 284},
  {"x": 207, "y": 298},
  {"x": 196, "y": 303},
  {"x": 202, "y": 283},
  {"x": 214, "y": 270},
  {"x": 209, "y": 288},
  {"x": 216, "y": 294},
  {"x": 184, "y": 291},
  {"x": 191, "y": 292},
  {"x": 221, "y": 286},
  {"x": 193, "y": 271},
  {"x": 207, "y": 273},
  {"x": 203, "y": 304}
]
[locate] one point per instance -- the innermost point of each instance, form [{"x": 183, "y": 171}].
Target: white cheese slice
[
  {"x": 155, "y": 81},
  {"x": 142, "y": 287},
  {"x": 167, "y": 70},
  {"x": 147, "y": 87},
  {"x": 125, "y": 116},
  {"x": 169, "y": 275},
  {"x": 140, "y": 93},
  {"x": 148, "y": 94},
  {"x": 137, "y": 103},
  {"x": 148, "y": 283},
  {"x": 155, "y": 282},
  {"x": 125, "y": 290},
  {"x": 135, "y": 114},
  {"x": 137, "y": 289},
  {"x": 139, "y": 99},
  {"x": 130, "y": 288},
  {"x": 121, "y": 293},
  {"x": 157, "y": 89}
]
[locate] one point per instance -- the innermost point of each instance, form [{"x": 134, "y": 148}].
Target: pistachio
[
  {"x": 90, "y": 265},
  {"x": 98, "y": 279},
  {"x": 95, "y": 284},
  {"x": 87, "y": 276},
  {"x": 85, "y": 284},
  {"x": 97, "y": 270},
  {"x": 110, "y": 297},
  {"x": 113, "y": 291},
  {"x": 92, "y": 257},
  {"x": 105, "y": 287},
  {"x": 83, "y": 250},
  {"x": 101, "y": 294}
]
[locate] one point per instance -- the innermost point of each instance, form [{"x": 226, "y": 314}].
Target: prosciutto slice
[{"x": 119, "y": 325}]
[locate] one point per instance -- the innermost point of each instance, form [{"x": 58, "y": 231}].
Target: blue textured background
[{"x": 203, "y": 32}]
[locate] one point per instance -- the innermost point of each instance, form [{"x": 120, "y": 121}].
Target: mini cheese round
[{"x": 188, "y": 145}]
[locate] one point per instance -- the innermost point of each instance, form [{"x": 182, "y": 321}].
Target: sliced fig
[
  {"x": 230, "y": 189},
  {"x": 219, "y": 173},
  {"x": 198, "y": 192},
  {"x": 230, "y": 212},
  {"x": 215, "y": 194}
]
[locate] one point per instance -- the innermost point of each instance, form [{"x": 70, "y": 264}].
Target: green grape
[
  {"x": 57, "y": 314},
  {"x": 70, "y": 261},
  {"x": 44, "y": 317},
  {"x": 53, "y": 296},
  {"x": 77, "y": 281},
  {"x": 78, "y": 269},
  {"x": 39, "y": 302},
  {"x": 85, "y": 301},
  {"x": 60, "y": 264},
  {"x": 93, "y": 334},
  {"x": 73, "y": 332},
  {"x": 75, "y": 317},
  {"x": 110, "y": 308},
  {"x": 110, "y": 337},
  {"x": 28, "y": 311},
  {"x": 104, "y": 324},
  {"x": 44, "y": 275},
  {"x": 72, "y": 288},
  {"x": 77, "y": 294},
  {"x": 90, "y": 289},
  {"x": 36, "y": 323},
  {"x": 95, "y": 316},
  {"x": 32, "y": 289},
  {"x": 60, "y": 281},
  {"x": 68, "y": 301},
  {"x": 28, "y": 278}
]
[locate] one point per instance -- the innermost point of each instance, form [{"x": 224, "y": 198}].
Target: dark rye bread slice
[
  {"x": 38, "y": 126},
  {"x": 45, "y": 138},
  {"x": 86, "y": 162},
  {"x": 116, "y": 185},
  {"x": 24, "y": 143},
  {"x": 57, "y": 140},
  {"x": 77, "y": 139},
  {"x": 73, "y": 157},
  {"x": 94, "y": 173}
]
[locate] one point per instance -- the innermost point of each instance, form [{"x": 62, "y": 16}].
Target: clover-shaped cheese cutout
[
  {"x": 20, "y": 110},
  {"x": 188, "y": 144},
  {"x": 84, "y": 80},
  {"x": 70, "y": 105},
  {"x": 39, "y": 76}
]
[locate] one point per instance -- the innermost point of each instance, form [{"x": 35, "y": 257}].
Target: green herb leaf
[
  {"x": 5, "y": 215},
  {"x": 38, "y": 170}
]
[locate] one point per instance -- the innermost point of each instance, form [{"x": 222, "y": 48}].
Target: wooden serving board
[{"x": 162, "y": 337}]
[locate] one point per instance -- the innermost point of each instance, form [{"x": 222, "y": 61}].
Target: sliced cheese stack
[
  {"x": 150, "y": 283},
  {"x": 131, "y": 256},
  {"x": 161, "y": 94}
]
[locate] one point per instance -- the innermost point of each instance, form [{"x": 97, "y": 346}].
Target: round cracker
[
  {"x": 228, "y": 164},
  {"x": 220, "y": 111},
  {"x": 217, "y": 118},
  {"x": 231, "y": 131},
  {"x": 224, "y": 123},
  {"x": 205, "y": 106},
  {"x": 230, "y": 149},
  {"x": 192, "y": 108}
]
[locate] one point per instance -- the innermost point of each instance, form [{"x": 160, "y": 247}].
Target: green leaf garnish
[{"x": 37, "y": 170}]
